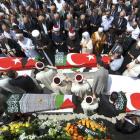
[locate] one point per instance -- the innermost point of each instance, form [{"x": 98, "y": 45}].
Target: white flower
[
  {"x": 31, "y": 137},
  {"x": 22, "y": 136}
]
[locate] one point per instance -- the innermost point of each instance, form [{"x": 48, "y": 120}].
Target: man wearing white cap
[
  {"x": 27, "y": 46},
  {"x": 99, "y": 39},
  {"x": 81, "y": 87},
  {"x": 44, "y": 46},
  {"x": 45, "y": 74},
  {"x": 133, "y": 68},
  {"x": 59, "y": 40},
  {"x": 61, "y": 85},
  {"x": 86, "y": 43},
  {"x": 73, "y": 42}
]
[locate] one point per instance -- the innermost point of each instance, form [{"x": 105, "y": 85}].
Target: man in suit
[
  {"x": 119, "y": 24},
  {"x": 95, "y": 21},
  {"x": 58, "y": 21},
  {"x": 120, "y": 6},
  {"x": 73, "y": 42},
  {"x": 44, "y": 47},
  {"x": 25, "y": 83},
  {"x": 10, "y": 48},
  {"x": 100, "y": 79},
  {"x": 44, "y": 25}
]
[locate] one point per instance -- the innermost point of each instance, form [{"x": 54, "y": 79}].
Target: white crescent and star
[
  {"x": 71, "y": 62},
  {"x": 90, "y": 57}
]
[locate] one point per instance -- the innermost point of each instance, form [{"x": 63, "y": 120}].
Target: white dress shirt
[
  {"x": 106, "y": 22},
  {"x": 135, "y": 33},
  {"x": 59, "y": 5},
  {"x": 28, "y": 47},
  {"x": 116, "y": 63},
  {"x": 45, "y": 28}
]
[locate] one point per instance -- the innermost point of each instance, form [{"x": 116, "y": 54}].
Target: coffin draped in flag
[
  {"x": 25, "y": 103},
  {"x": 78, "y": 60},
  {"x": 133, "y": 102},
  {"x": 16, "y": 63}
]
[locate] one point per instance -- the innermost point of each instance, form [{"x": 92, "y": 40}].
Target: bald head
[{"x": 134, "y": 24}]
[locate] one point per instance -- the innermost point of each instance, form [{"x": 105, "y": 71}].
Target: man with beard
[
  {"x": 58, "y": 39},
  {"x": 44, "y": 47},
  {"x": 99, "y": 39},
  {"x": 73, "y": 42}
]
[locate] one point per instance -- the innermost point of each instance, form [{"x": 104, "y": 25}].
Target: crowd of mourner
[{"x": 41, "y": 28}]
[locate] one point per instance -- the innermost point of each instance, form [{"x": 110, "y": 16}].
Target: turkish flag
[
  {"x": 83, "y": 60},
  {"x": 16, "y": 63},
  {"x": 133, "y": 101}
]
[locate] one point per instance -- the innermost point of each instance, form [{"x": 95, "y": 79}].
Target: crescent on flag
[
  {"x": 5, "y": 68},
  {"x": 129, "y": 103},
  {"x": 70, "y": 61}
]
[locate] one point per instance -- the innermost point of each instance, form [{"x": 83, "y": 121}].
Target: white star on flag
[
  {"x": 16, "y": 60},
  {"x": 90, "y": 57}
]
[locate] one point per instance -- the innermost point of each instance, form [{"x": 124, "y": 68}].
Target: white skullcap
[
  {"x": 35, "y": 33},
  {"x": 100, "y": 29}
]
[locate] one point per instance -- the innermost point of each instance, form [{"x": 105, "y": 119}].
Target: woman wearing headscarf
[{"x": 86, "y": 43}]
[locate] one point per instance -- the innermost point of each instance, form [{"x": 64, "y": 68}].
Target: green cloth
[{"x": 59, "y": 100}]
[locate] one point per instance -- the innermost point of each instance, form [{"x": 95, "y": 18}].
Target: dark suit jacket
[
  {"x": 39, "y": 3},
  {"x": 73, "y": 45},
  {"x": 96, "y": 20},
  {"x": 13, "y": 45},
  {"x": 122, "y": 26},
  {"x": 48, "y": 25},
  {"x": 123, "y": 7},
  {"x": 25, "y": 83}
]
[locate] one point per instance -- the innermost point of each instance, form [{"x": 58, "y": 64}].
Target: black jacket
[{"x": 26, "y": 83}]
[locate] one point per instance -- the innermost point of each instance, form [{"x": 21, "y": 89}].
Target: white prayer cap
[
  {"x": 1, "y": 14},
  {"x": 100, "y": 29},
  {"x": 35, "y": 33}
]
